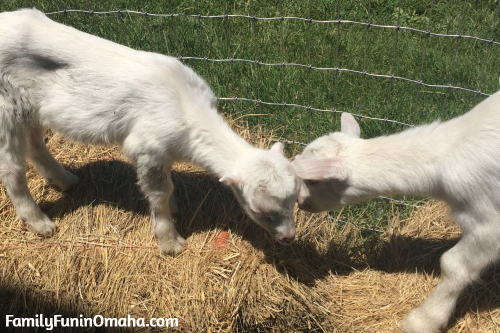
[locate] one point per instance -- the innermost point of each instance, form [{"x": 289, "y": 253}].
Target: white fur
[
  {"x": 92, "y": 90},
  {"x": 456, "y": 161}
]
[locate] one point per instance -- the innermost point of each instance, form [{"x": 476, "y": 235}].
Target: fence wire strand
[
  {"x": 284, "y": 64},
  {"x": 276, "y": 18}
]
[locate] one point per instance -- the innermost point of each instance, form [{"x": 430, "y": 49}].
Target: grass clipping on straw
[{"x": 232, "y": 277}]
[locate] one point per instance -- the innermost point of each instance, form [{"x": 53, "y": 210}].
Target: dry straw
[{"x": 232, "y": 277}]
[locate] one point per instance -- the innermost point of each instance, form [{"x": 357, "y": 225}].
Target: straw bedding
[{"x": 232, "y": 277}]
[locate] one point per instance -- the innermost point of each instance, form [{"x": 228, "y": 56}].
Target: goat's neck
[
  {"x": 215, "y": 147},
  {"x": 403, "y": 163}
]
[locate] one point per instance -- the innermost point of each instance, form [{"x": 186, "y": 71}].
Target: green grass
[{"x": 348, "y": 46}]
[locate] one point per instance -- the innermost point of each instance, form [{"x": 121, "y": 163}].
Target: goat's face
[
  {"x": 323, "y": 168},
  {"x": 267, "y": 189}
]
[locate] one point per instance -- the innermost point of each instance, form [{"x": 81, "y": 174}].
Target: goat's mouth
[
  {"x": 311, "y": 209},
  {"x": 306, "y": 206},
  {"x": 286, "y": 237},
  {"x": 285, "y": 240}
]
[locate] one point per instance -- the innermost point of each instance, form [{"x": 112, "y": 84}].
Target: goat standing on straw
[{"x": 92, "y": 90}]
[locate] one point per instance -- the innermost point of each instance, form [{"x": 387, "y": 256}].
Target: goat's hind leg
[
  {"x": 15, "y": 112},
  {"x": 13, "y": 175},
  {"x": 45, "y": 164},
  {"x": 460, "y": 266}
]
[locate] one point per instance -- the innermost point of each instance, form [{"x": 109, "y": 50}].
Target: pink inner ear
[{"x": 317, "y": 168}]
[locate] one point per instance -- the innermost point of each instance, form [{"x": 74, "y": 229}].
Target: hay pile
[{"x": 232, "y": 277}]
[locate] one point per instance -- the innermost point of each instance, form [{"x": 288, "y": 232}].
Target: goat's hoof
[
  {"x": 173, "y": 246},
  {"x": 417, "y": 321},
  {"x": 44, "y": 226}
]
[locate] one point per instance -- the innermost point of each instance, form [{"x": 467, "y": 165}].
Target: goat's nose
[
  {"x": 288, "y": 240},
  {"x": 300, "y": 200}
]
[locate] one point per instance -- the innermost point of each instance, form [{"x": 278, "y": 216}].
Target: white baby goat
[
  {"x": 457, "y": 161},
  {"x": 92, "y": 90}
]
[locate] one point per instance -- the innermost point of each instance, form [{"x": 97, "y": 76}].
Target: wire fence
[
  {"x": 389, "y": 78},
  {"x": 364, "y": 73}
]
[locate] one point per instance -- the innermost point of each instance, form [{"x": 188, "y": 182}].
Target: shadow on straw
[
  {"x": 205, "y": 204},
  {"x": 24, "y": 301}
]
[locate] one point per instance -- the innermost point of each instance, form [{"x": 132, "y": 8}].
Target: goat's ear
[
  {"x": 349, "y": 125},
  {"x": 278, "y": 147},
  {"x": 319, "y": 168},
  {"x": 231, "y": 180}
]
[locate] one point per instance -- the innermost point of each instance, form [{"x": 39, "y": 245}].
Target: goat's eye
[{"x": 311, "y": 182}]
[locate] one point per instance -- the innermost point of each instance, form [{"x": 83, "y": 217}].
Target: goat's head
[
  {"x": 267, "y": 189},
  {"x": 323, "y": 169}
]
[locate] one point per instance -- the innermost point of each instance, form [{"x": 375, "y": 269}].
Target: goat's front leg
[
  {"x": 157, "y": 186},
  {"x": 460, "y": 266}
]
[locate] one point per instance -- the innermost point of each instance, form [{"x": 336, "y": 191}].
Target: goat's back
[{"x": 91, "y": 89}]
